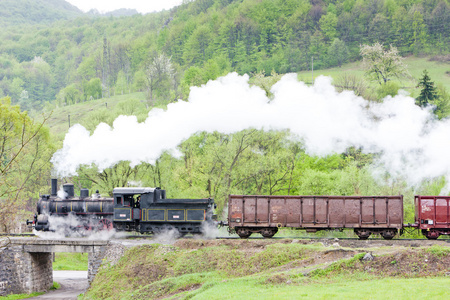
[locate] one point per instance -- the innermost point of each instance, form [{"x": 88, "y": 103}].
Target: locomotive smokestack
[
  {"x": 69, "y": 189},
  {"x": 84, "y": 193},
  {"x": 54, "y": 186}
]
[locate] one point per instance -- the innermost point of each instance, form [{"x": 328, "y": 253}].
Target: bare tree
[{"x": 351, "y": 82}]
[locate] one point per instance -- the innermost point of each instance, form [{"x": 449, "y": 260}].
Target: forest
[
  {"x": 61, "y": 59},
  {"x": 90, "y": 57}
]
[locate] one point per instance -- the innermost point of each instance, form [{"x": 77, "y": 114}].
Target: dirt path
[{"x": 72, "y": 284}]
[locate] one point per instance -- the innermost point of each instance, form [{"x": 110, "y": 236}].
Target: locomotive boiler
[{"x": 70, "y": 212}]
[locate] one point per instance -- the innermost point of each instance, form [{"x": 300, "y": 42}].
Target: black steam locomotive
[{"x": 141, "y": 209}]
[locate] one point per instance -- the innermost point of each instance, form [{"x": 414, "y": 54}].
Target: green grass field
[
  {"x": 439, "y": 73},
  {"x": 70, "y": 261},
  {"x": 387, "y": 288}
]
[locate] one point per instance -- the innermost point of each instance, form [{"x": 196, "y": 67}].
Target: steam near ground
[
  {"x": 72, "y": 227},
  {"x": 413, "y": 144}
]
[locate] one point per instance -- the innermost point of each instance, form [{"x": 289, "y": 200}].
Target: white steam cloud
[
  {"x": 413, "y": 143},
  {"x": 73, "y": 227}
]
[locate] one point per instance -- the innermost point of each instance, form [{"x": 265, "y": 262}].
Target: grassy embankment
[{"x": 272, "y": 270}]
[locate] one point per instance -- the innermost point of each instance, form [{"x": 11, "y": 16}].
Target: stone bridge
[{"x": 26, "y": 263}]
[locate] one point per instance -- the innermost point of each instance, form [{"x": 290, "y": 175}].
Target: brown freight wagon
[{"x": 265, "y": 214}]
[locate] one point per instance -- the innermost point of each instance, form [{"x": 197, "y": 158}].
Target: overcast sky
[{"x": 142, "y": 6}]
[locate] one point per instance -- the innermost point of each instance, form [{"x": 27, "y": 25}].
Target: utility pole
[
  {"x": 312, "y": 69},
  {"x": 69, "y": 121}
]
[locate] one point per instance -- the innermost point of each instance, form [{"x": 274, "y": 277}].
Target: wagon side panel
[{"x": 235, "y": 210}]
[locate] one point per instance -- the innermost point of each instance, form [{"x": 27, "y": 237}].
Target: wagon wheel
[
  {"x": 243, "y": 233},
  {"x": 431, "y": 235},
  {"x": 388, "y": 234},
  {"x": 268, "y": 232},
  {"x": 363, "y": 234},
  {"x": 105, "y": 224}
]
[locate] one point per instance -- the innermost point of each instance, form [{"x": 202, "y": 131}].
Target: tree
[
  {"x": 160, "y": 75},
  {"x": 69, "y": 94},
  {"x": 328, "y": 25},
  {"x": 338, "y": 52},
  {"x": 92, "y": 88},
  {"x": 381, "y": 64},
  {"x": 25, "y": 152},
  {"x": 428, "y": 93},
  {"x": 442, "y": 102},
  {"x": 121, "y": 83},
  {"x": 353, "y": 83}
]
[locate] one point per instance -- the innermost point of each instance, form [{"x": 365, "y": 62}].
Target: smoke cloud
[{"x": 412, "y": 142}]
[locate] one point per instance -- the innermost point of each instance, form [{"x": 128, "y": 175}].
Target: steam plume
[{"x": 412, "y": 142}]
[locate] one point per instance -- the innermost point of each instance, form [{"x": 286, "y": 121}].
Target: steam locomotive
[{"x": 145, "y": 210}]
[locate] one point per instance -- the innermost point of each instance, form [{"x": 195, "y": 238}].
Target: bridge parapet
[{"x": 26, "y": 263}]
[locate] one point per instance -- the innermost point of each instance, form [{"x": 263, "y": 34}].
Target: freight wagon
[
  {"x": 432, "y": 215},
  {"x": 365, "y": 215}
]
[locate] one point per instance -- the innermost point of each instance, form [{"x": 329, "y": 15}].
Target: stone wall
[
  {"x": 26, "y": 263},
  {"x": 24, "y": 272},
  {"x": 95, "y": 260}
]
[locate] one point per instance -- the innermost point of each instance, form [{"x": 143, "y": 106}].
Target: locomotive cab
[
  {"x": 147, "y": 210},
  {"x": 128, "y": 203}
]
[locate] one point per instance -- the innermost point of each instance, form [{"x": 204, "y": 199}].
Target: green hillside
[
  {"x": 33, "y": 12},
  {"x": 88, "y": 57}
]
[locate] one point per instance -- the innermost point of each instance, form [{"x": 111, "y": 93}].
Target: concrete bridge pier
[{"x": 26, "y": 263}]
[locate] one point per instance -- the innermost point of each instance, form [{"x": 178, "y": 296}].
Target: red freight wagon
[
  {"x": 265, "y": 214},
  {"x": 432, "y": 215}
]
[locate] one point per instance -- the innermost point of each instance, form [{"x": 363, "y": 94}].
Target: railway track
[
  {"x": 17, "y": 234},
  {"x": 292, "y": 238},
  {"x": 150, "y": 236}
]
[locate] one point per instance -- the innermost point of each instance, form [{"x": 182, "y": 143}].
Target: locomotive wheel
[
  {"x": 243, "y": 233},
  {"x": 105, "y": 224},
  {"x": 267, "y": 233},
  {"x": 363, "y": 234},
  {"x": 388, "y": 234}
]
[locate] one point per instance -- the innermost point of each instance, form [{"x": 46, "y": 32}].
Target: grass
[
  {"x": 70, "y": 261},
  {"x": 386, "y": 288},
  {"x": 25, "y": 296},
  {"x": 20, "y": 296},
  {"x": 268, "y": 270},
  {"x": 79, "y": 113},
  {"x": 415, "y": 65}
]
